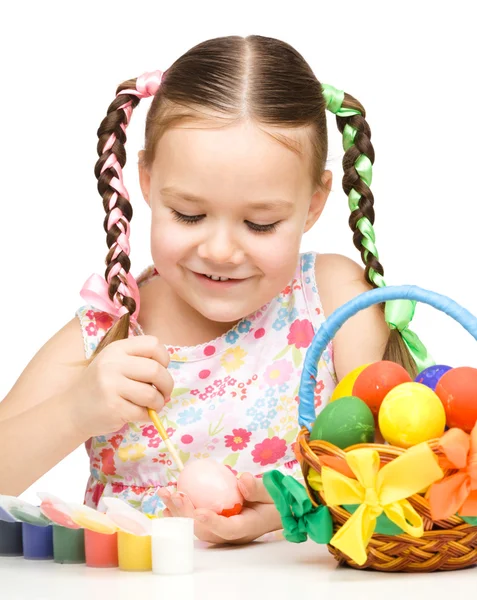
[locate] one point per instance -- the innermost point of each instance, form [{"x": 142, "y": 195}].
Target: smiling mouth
[
  {"x": 220, "y": 278},
  {"x": 217, "y": 278}
]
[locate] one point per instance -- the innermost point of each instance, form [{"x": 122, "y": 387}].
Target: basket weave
[{"x": 446, "y": 545}]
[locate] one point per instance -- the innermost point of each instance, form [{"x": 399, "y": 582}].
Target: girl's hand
[
  {"x": 258, "y": 516},
  {"x": 115, "y": 388}
]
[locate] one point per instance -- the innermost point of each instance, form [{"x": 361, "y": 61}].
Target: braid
[
  {"x": 356, "y": 187},
  {"x": 358, "y": 161},
  {"x": 118, "y": 209},
  {"x": 121, "y": 286}
]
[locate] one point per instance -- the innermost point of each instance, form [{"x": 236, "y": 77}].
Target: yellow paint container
[{"x": 134, "y": 552}]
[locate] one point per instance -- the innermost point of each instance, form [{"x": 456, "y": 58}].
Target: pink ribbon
[
  {"x": 95, "y": 292},
  {"x": 146, "y": 85}
]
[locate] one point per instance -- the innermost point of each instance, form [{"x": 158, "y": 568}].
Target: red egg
[
  {"x": 457, "y": 390},
  {"x": 374, "y": 382}
]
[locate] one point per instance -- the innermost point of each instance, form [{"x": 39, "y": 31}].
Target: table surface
[{"x": 271, "y": 570}]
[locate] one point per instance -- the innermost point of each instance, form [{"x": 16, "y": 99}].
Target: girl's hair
[{"x": 223, "y": 81}]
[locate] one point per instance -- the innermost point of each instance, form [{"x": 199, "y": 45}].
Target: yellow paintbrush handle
[{"x": 162, "y": 432}]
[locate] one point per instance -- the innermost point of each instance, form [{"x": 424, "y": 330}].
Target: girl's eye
[
  {"x": 186, "y": 218},
  {"x": 190, "y": 219},
  {"x": 262, "y": 228}
]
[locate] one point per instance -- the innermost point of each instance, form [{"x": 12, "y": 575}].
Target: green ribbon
[
  {"x": 384, "y": 525},
  {"x": 300, "y": 518},
  {"x": 398, "y": 313},
  {"x": 470, "y": 520}
]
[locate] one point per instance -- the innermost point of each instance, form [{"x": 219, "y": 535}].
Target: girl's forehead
[{"x": 233, "y": 151}]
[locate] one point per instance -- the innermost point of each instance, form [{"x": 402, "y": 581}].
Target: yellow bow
[{"x": 376, "y": 491}]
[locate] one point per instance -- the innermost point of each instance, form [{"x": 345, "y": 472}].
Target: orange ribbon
[{"x": 456, "y": 493}]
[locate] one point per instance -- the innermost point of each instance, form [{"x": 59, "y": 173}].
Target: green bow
[
  {"x": 398, "y": 315},
  {"x": 299, "y": 517}
]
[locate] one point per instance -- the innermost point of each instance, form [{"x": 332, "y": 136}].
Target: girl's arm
[
  {"x": 33, "y": 442},
  {"x": 363, "y": 338},
  {"x": 36, "y": 424}
]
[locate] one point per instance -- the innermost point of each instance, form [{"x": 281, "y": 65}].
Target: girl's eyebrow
[{"x": 272, "y": 203}]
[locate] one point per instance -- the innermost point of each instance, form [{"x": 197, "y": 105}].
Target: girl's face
[{"x": 231, "y": 203}]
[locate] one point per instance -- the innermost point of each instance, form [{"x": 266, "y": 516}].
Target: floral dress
[{"x": 235, "y": 398}]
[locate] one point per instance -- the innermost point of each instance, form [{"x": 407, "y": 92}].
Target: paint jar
[
  {"x": 11, "y": 539},
  {"x": 172, "y": 546},
  {"x": 68, "y": 545},
  {"x": 37, "y": 542},
  {"x": 134, "y": 552},
  {"x": 101, "y": 549}
]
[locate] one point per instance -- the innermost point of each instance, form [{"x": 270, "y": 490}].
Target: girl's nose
[{"x": 220, "y": 247}]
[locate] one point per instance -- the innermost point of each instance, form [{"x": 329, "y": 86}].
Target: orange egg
[
  {"x": 457, "y": 390},
  {"x": 374, "y": 382}
]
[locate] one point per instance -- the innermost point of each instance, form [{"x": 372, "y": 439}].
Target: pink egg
[{"x": 211, "y": 485}]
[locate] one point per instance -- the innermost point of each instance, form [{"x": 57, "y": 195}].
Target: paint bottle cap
[
  {"x": 25, "y": 512},
  {"x": 126, "y": 517},
  {"x": 89, "y": 518},
  {"x": 57, "y": 510},
  {"x": 5, "y": 514},
  {"x": 172, "y": 545}
]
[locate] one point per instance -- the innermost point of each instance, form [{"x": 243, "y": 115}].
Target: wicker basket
[{"x": 446, "y": 545}]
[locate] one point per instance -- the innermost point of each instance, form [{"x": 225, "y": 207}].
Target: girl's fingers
[
  {"x": 253, "y": 490},
  {"x": 142, "y": 394},
  {"x": 177, "y": 503},
  {"x": 226, "y": 528},
  {"x": 147, "y": 370},
  {"x": 147, "y": 346}
]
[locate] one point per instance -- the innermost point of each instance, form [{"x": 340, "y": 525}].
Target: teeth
[{"x": 215, "y": 278}]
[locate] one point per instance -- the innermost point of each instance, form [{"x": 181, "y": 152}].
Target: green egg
[{"x": 344, "y": 422}]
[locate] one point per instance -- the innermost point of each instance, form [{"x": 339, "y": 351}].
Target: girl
[{"x": 233, "y": 171}]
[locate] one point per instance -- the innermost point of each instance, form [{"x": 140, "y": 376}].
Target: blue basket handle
[{"x": 306, "y": 407}]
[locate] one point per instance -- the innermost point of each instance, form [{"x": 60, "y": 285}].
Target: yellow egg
[
  {"x": 411, "y": 413},
  {"x": 345, "y": 386}
]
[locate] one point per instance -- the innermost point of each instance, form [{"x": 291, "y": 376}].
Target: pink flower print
[
  {"x": 91, "y": 329},
  {"x": 107, "y": 461},
  {"x": 319, "y": 387},
  {"x": 217, "y": 382},
  {"x": 301, "y": 333},
  {"x": 286, "y": 291},
  {"x": 117, "y": 488},
  {"x": 195, "y": 392},
  {"x": 209, "y": 389},
  {"x": 154, "y": 442},
  {"x": 170, "y": 431},
  {"x": 115, "y": 441},
  {"x": 230, "y": 381},
  {"x": 238, "y": 440},
  {"x": 103, "y": 320},
  {"x": 279, "y": 372},
  {"x": 97, "y": 493},
  {"x": 150, "y": 431},
  {"x": 203, "y": 396},
  {"x": 90, "y": 314},
  {"x": 269, "y": 451},
  {"x": 221, "y": 392},
  {"x": 290, "y": 464}
]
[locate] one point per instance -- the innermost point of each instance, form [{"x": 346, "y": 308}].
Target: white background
[{"x": 411, "y": 64}]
